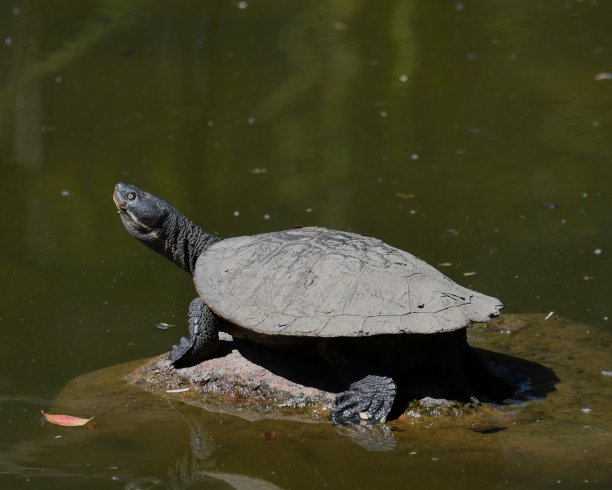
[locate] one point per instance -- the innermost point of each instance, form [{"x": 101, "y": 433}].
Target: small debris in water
[
  {"x": 607, "y": 373},
  {"x": 251, "y": 120},
  {"x": 403, "y": 78},
  {"x": 339, "y": 26},
  {"x": 178, "y": 390},
  {"x": 259, "y": 170},
  {"x": 603, "y": 76},
  {"x": 236, "y": 213},
  {"x": 242, "y": 5},
  {"x": 8, "y": 41},
  {"x": 412, "y": 452},
  {"x": 445, "y": 264},
  {"x": 587, "y": 277},
  {"x": 584, "y": 195},
  {"x": 551, "y": 205},
  {"x": 403, "y": 195},
  {"x": 586, "y": 410},
  {"x": 270, "y": 437},
  {"x": 597, "y": 251},
  {"x": 58, "y": 79},
  {"x": 65, "y": 193},
  {"x": 383, "y": 113},
  {"x": 163, "y": 326},
  {"x": 266, "y": 216},
  {"x": 309, "y": 210},
  {"x": 549, "y": 315},
  {"x": 434, "y": 458},
  {"x": 467, "y": 274},
  {"x": 605, "y": 318},
  {"x": 414, "y": 156},
  {"x": 57, "y": 437}
]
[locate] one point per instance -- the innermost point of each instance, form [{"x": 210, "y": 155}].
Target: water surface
[{"x": 475, "y": 135}]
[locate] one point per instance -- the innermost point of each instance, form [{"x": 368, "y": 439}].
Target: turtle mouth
[{"x": 119, "y": 202}]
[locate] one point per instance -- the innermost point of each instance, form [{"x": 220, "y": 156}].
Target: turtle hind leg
[
  {"x": 368, "y": 400},
  {"x": 203, "y": 337}
]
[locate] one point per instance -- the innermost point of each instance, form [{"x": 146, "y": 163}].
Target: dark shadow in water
[{"x": 532, "y": 380}]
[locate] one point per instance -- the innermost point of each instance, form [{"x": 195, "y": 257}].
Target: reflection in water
[
  {"x": 149, "y": 440},
  {"x": 28, "y": 121}
]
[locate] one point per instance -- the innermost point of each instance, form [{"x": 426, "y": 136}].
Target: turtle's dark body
[{"x": 373, "y": 312}]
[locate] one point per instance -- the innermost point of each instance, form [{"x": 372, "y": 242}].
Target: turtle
[{"x": 372, "y": 312}]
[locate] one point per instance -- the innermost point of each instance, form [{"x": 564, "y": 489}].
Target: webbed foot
[
  {"x": 203, "y": 337},
  {"x": 368, "y": 400}
]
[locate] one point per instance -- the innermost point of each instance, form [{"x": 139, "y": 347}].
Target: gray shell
[{"x": 327, "y": 283}]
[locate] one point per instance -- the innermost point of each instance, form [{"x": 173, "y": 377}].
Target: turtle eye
[{"x": 130, "y": 196}]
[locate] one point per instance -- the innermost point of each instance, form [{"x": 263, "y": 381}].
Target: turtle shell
[{"x": 326, "y": 283}]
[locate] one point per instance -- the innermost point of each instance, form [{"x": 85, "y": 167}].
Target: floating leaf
[
  {"x": 603, "y": 76},
  {"x": 163, "y": 326},
  {"x": 65, "y": 420}
]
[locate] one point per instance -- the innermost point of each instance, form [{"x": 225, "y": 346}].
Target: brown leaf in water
[
  {"x": 270, "y": 437},
  {"x": 65, "y": 420}
]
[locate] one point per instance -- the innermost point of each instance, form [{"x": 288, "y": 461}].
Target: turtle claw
[
  {"x": 203, "y": 337},
  {"x": 180, "y": 352},
  {"x": 368, "y": 400}
]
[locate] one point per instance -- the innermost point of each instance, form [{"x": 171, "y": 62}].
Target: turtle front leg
[
  {"x": 368, "y": 400},
  {"x": 203, "y": 337}
]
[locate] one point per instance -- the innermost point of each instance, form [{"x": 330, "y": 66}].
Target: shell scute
[{"x": 319, "y": 282}]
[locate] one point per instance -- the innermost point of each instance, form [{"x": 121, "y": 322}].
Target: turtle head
[
  {"x": 161, "y": 227},
  {"x": 143, "y": 215}
]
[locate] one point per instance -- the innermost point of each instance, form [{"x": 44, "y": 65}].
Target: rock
[{"x": 246, "y": 380}]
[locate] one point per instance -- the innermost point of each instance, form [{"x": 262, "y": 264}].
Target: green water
[{"x": 469, "y": 133}]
